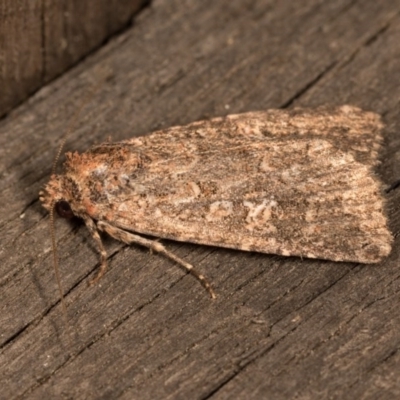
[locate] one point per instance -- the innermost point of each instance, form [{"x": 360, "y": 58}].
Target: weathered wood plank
[
  {"x": 281, "y": 327},
  {"x": 40, "y": 39},
  {"x": 20, "y": 54}
]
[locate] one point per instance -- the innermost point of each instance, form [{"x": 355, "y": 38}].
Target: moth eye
[{"x": 64, "y": 209}]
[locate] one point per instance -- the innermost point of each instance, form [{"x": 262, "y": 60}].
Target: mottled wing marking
[{"x": 297, "y": 182}]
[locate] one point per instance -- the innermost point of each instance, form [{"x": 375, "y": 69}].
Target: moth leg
[
  {"x": 129, "y": 238},
  {"x": 100, "y": 247}
]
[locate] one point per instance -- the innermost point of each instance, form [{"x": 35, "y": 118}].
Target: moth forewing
[{"x": 292, "y": 182}]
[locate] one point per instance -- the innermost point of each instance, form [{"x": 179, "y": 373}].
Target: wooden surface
[
  {"x": 281, "y": 327},
  {"x": 40, "y": 39}
]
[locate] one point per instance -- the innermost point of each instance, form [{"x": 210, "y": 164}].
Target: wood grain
[
  {"x": 40, "y": 39},
  {"x": 281, "y": 327}
]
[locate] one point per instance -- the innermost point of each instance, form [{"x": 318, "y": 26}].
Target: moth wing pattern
[{"x": 296, "y": 182}]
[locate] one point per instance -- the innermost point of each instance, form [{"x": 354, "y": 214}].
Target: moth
[{"x": 296, "y": 182}]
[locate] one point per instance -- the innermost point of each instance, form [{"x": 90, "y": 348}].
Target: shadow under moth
[{"x": 296, "y": 182}]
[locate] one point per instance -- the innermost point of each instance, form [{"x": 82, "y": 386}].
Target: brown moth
[{"x": 296, "y": 182}]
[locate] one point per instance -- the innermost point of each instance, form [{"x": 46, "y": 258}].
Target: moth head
[{"x": 60, "y": 194}]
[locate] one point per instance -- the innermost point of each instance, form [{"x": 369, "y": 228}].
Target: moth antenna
[
  {"x": 89, "y": 96},
  {"x": 68, "y": 132},
  {"x": 55, "y": 262},
  {"x": 54, "y": 166},
  {"x": 85, "y": 101}
]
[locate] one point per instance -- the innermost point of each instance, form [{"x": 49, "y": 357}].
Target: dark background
[{"x": 281, "y": 327}]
